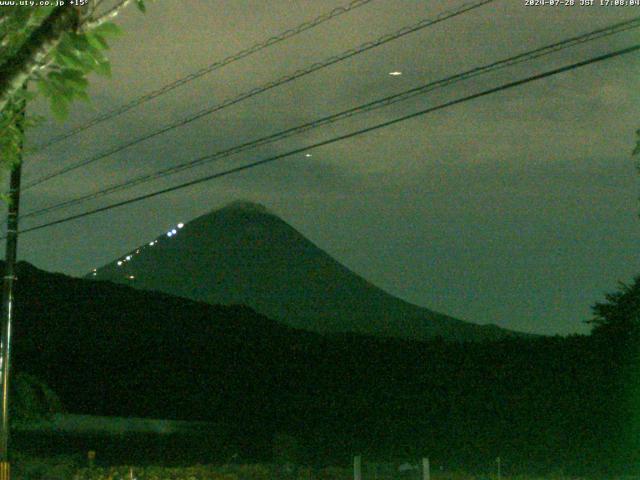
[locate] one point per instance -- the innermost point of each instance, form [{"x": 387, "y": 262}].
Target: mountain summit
[{"x": 244, "y": 254}]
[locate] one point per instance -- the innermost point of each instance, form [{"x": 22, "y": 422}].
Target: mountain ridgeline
[
  {"x": 243, "y": 254},
  {"x": 541, "y": 404}
]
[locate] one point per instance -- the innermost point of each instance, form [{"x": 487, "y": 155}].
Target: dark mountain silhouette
[
  {"x": 109, "y": 349},
  {"x": 243, "y": 254}
]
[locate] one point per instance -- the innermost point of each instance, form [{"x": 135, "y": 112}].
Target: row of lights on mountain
[{"x": 128, "y": 258}]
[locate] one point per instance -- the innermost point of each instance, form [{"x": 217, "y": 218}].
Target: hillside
[
  {"x": 243, "y": 254},
  {"x": 112, "y": 350}
]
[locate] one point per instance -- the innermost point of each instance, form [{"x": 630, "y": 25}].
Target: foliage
[
  {"x": 61, "y": 74},
  {"x": 617, "y": 329},
  {"x": 541, "y": 404},
  {"x": 32, "y": 399},
  {"x": 619, "y": 315},
  {"x": 77, "y": 55},
  {"x": 16, "y": 26},
  {"x": 285, "y": 449},
  {"x": 11, "y": 132},
  {"x": 263, "y": 472},
  {"x": 44, "y": 468}
]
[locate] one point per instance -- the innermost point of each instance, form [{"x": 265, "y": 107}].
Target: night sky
[{"x": 519, "y": 209}]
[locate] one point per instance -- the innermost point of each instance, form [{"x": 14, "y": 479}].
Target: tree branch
[
  {"x": 105, "y": 17},
  {"x": 16, "y": 113},
  {"x": 17, "y": 70}
]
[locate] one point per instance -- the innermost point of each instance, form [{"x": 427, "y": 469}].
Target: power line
[
  {"x": 341, "y": 137},
  {"x": 389, "y": 100},
  {"x": 258, "y": 90},
  {"x": 205, "y": 70}
]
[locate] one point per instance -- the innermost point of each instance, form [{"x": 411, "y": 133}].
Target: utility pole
[{"x": 11, "y": 251}]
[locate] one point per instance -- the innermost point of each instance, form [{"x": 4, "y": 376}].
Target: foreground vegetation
[
  {"x": 66, "y": 470},
  {"x": 543, "y": 404}
]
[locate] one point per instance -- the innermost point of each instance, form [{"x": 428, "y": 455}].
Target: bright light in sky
[
  {"x": 174, "y": 231},
  {"x": 128, "y": 257},
  {"x": 180, "y": 225},
  {"x": 151, "y": 244},
  {"x": 395, "y": 73},
  {"x": 169, "y": 234},
  {"x": 119, "y": 262}
]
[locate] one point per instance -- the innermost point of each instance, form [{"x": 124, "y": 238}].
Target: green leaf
[
  {"x": 83, "y": 60},
  {"x": 80, "y": 42},
  {"x": 96, "y": 54},
  {"x": 25, "y": 95},
  {"x": 68, "y": 55},
  {"x": 141, "y": 6},
  {"x": 57, "y": 82},
  {"x": 104, "y": 68},
  {"x": 59, "y": 107},
  {"x": 45, "y": 88},
  {"x": 72, "y": 73},
  {"x": 74, "y": 62},
  {"x": 106, "y": 29},
  {"x": 65, "y": 47},
  {"x": 75, "y": 79},
  {"x": 97, "y": 41},
  {"x": 82, "y": 95},
  {"x": 60, "y": 60}
]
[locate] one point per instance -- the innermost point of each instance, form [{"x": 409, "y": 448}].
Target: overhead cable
[
  {"x": 297, "y": 151},
  {"x": 204, "y": 71},
  {"x": 367, "y": 107},
  {"x": 258, "y": 90}
]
